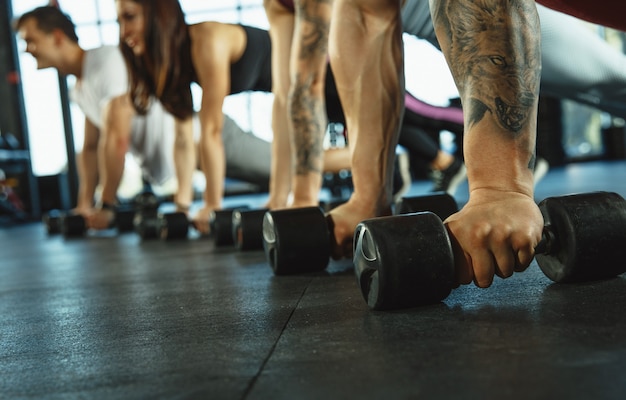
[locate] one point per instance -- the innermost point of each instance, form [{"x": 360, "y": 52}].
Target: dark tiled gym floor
[{"x": 112, "y": 317}]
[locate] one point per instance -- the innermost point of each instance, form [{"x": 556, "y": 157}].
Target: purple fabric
[{"x": 450, "y": 114}]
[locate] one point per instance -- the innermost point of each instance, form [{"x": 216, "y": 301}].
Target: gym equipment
[
  {"x": 146, "y": 219},
  {"x": 172, "y": 226},
  {"x": 169, "y": 226},
  {"x": 296, "y": 240},
  {"x": 247, "y": 228},
  {"x": 407, "y": 260},
  {"x": 52, "y": 222},
  {"x": 299, "y": 240},
  {"x": 440, "y": 203},
  {"x": 248, "y": 225},
  {"x": 72, "y": 224},
  {"x": 221, "y": 223}
]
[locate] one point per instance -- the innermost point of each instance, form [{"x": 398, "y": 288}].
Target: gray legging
[
  {"x": 247, "y": 156},
  {"x": 577, "y": 64}
]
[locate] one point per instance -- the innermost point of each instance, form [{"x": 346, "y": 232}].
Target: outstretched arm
[
  {"x": 116, "y": 131},
  {"x": 88, "y": 168},
  {"x": 281, "y": 23},
  {"x": 493, "y": 50},
  {"x": 212, "y": 53}
]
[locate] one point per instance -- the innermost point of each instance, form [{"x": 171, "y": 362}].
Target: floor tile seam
[{"x": 256, "y": 377}]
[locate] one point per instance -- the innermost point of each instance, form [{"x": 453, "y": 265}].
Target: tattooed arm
[
  {"x": 307, "y": 109},
  {"x": 299, "y": 59},
  {"x": 493, "y": 50}
]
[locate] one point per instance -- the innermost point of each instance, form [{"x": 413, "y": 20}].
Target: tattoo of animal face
[{"x": 494, "y": 56}]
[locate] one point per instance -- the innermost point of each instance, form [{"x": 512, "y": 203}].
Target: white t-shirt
[{"x": 104, "y": 77}]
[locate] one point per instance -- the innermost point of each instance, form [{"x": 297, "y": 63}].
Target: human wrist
[
  {"x": 107, "y": 205},
  {"x": 182, "y": 207}
]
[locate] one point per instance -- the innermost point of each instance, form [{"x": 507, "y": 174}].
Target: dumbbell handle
[{"x": 547, "y": 242}]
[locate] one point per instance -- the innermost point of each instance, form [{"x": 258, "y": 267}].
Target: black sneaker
[{"x": 450, "y": 178}]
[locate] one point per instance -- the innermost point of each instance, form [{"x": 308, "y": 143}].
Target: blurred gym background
[{"x": 41, "y": 129}]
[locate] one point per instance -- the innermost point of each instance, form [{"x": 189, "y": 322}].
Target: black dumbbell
[
  {"x": 172, "y": 226},
  {"x": 248, "y": 225},
  {"x": 73, "y": 224},
  {"x": 407, "y": 260},
  {"x": 52, "y": 221},
  {"x": 70, "y": 224},
  {"x": 221, "y": 223},
  {"x": 296, "y": 240},
  {"x": 124, "y": 218},
  {"x": 248, "y": 229},
  {"x": 146, "y": 220},
  {"x": 299, "y": 240},
  {"x": 440, "y": 203}
]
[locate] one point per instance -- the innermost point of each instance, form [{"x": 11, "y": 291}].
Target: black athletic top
[{"x": 253, "y": 71}]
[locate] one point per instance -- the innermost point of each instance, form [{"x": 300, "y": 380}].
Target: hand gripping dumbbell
[
  {"x": 406, "y": 261},
  {"x": 299, "y": 240},
  {"x": 248, "y": 229},
  {"x": 170, "y": 226},
  {"x": 72, "y": 224},
  {"x": 248, "y": 225}
]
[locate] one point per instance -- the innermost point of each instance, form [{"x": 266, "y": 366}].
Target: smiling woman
[{"x": 96, "y": 25}]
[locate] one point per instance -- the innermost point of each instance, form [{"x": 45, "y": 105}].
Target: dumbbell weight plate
[
  {"x": 221, "y": 223},
  {"x": 248, "y": 229},
  {"x": 52, "y": 222},
  {"x": 403, "y": 261},
  {"x": 147, "y": 224},
  {"x": 589, "y": 232},
  {"x": 174, "y": 226},
  {"x": 442, "y": 204},
  {"x": 296, "y": 240},
  {"x": 73, "y": 225},
  {"x": 124, "y": 218}
]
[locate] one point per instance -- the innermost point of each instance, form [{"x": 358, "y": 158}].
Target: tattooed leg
[{"x": 306, "y": 104}]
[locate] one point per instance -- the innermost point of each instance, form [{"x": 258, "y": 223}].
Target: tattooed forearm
[
  {"x": 493, "y": 49},
  {"x": 306, "y": 103},
  {"x": 315, "y": 27},
  {"x": 308, "y": 117}
]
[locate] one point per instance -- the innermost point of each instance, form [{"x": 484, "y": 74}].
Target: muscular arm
[
  {"x": 88, "y": 167},
  {"x": 112, "y": 148},
  {"x": 281, "y": 34},
  {"x": 116, "y": 133},
  {"x": 492, "y": 48}
]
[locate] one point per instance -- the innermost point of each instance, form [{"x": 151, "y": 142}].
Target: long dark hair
[{"x": 165, "y": 70}]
